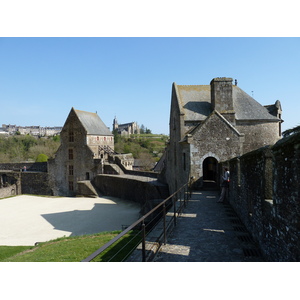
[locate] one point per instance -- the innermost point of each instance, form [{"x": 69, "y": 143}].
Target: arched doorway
[{"x": 210, "y": 171}]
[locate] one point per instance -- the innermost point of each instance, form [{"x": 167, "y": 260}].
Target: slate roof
[
  {"x": 92, "y": 123},
  {"x": 246, "y": 108},
  {"x": 195, "y": 103}
]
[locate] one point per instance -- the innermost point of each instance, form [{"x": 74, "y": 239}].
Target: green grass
[
  {"x": 8, "y": 251},
  {"x": 72, "y": 249}
]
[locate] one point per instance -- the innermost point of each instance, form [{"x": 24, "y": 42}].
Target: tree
[
  {"x": 142, "y": 129},
  {"x": 42, "y": 158},
  {"x": 147, "y": 161},
  {"x": 117, "y": 136}
]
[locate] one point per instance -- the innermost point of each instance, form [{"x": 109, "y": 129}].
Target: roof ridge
[{"x": 193, "y": 84}]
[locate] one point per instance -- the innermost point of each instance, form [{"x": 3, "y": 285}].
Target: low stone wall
[
  {"x": 34, "y": 166},
  {"x": 130, "y": 188},
  {"x": 265, "y": 193},
  {"x": 35, "y": 183},
  {"x": 134, "y": 172},
  {"x": 10, "y": 183},
  {"x": 8, "y": 191}
]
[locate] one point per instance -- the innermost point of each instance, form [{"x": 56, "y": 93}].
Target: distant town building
[
  {"x": 126, "y": 129},
  {"x": 31, "y": 130}
]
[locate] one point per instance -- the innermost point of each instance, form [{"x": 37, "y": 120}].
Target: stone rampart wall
[
  {"x": 130, "y": 189},
  {"x": 265, "y": 193},
  {"x": 35, "y": 183},
  {"x": 34, "y": 166}
]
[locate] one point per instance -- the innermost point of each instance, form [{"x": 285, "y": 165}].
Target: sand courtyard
[{"x": 26, "y": 219}]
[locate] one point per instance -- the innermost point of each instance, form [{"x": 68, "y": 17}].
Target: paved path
[
  {"x": 208, "y": 232},
  {"x": 25, "y": 220}
]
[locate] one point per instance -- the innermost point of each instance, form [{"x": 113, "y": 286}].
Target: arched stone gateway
[
  {"x": 210, "y": 172},
  {"x": 210, "y": 169}
]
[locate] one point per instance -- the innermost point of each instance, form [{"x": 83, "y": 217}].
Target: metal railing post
[
  {"x": 143, "y": 242},
  {"x": 180, "y": 199},
  {"x": 174, "y": 204},
  {"x": 165, "y": 227},
  {"x": 187, "y": 193}
]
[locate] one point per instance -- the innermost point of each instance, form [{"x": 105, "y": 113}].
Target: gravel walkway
[{"x": 208, "y": 232}]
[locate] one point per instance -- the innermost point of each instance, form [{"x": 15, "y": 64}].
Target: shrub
[{"x": 42, "y": 158}]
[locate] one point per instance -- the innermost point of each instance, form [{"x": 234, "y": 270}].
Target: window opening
[
  {"x": 71, "y": 170},
  {"x": 71, "y": 155},
  {"x": 71, "y": 136}
]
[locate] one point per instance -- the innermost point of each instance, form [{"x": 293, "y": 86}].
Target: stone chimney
[{"x": 221, "y": 97}]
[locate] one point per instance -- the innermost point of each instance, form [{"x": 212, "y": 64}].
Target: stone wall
[
  {"x": 210, "y": 141},
  {"x": 258, "y": 134},
  {"x": 33, "y": 166},
  {"x": 265, "y": 193},
  {"x": 8, "y": 191},
  {"x": 35, "y": 183},
  {"x": 130, "y": 188},
  {"x": 17, "y": 183},
  {"x": 10, "y": 183}
]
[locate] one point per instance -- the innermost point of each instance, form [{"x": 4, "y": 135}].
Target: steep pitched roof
[
  {"x": 195, "y": 102},
  {"x": 92, "y": 123},
  {"x": 246, "y": 108}
]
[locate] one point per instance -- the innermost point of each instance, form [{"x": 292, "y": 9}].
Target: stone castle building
[
  {"x": 126, "y": 129},
  {"x": 86, "y": 143},
  {"x": 213, "y": 123}
]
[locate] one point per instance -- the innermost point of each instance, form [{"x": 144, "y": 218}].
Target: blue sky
[{"x": 42, "y": 78}]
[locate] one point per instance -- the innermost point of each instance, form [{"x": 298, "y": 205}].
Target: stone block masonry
[
  {"x": 32, "y": 166},
  {"x": 35, "y": 183},
  {"x": 265, "y": 193},
  {"x": 136, "y": 188}
]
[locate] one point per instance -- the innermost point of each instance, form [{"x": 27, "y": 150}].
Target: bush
[{"x": 42, "y": 158}]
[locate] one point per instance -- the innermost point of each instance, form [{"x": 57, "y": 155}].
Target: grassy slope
[{"x": 70, "y": 249}]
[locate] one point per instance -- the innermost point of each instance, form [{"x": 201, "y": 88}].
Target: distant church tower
[
  {"x": 115, "y": 124},
  {"x": 127, "y": 128}
]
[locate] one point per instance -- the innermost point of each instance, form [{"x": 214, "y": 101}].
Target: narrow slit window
[{"x": 71, "y": 136}]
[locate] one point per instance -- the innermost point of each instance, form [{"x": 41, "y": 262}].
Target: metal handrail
[{"x": 142, "y": 221}]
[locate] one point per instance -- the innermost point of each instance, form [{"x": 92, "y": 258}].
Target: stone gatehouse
[{"x": 213, "y": 123}]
